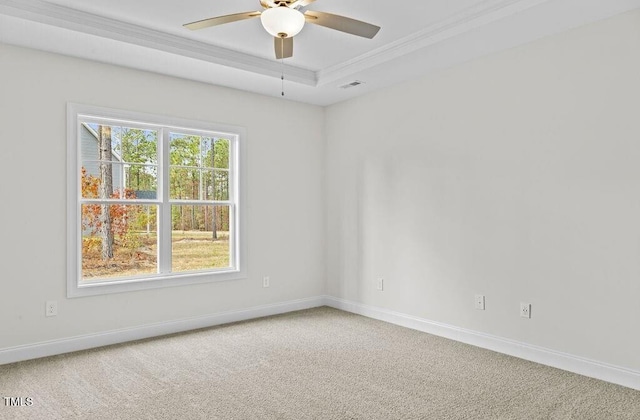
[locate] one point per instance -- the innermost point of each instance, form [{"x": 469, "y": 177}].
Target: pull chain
[{"x": 282, "y": 61}]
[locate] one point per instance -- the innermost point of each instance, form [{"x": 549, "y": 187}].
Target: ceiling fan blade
[
  {"x": 219, "y": 20},
  {"x": 342, "y": 23},
  {"x": 283, "y": 47},
  {"x": 301, "y": 3},
  {"x": 268, "y": 3}
]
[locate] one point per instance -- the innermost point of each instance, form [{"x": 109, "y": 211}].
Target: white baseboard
[
  {"x": 83, "y": 342},
  {"x": 603, "y": 371},
  {"x": 580, "y": 365}
]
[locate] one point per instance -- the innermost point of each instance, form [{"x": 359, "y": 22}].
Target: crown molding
[
  {"x": 79, "y": 21},
  {"x": 209, "y": 63},
  {"x": 482, "y": 14}
]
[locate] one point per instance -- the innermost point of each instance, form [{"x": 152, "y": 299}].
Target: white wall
[
  {"x": 516, "y": 176},
  {"x": 285, "y": 207}
]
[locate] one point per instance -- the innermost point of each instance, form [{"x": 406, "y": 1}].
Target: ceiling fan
[{"x": 283, "y": 19}]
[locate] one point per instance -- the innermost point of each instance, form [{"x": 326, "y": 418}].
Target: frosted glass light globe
[{"x": 282, "y": 22}]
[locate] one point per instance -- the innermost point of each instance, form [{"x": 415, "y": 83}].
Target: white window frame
[{"x": 237, "y": 196}]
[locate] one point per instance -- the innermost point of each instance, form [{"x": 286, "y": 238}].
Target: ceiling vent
[{"x": 351, "y": 84}]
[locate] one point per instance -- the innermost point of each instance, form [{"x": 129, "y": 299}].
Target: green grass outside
[{"x": 191, "y": 251}]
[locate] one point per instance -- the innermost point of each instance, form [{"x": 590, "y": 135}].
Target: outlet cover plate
[
  {"x": 51, "y": 308},
  {"x": 480, "y": 302},
  {"x": 380, "y": 284},
  {"x": 525, "y": 310}
]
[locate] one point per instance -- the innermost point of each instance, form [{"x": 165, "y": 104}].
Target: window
[{"x": 153, "y": 201}]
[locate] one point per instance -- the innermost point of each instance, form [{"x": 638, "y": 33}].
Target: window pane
[
  {"x": 184, "y": 183},
  {"x": 214, "y": 153},
  {"x": 198, "y": 152},
  {"x": 206, "y": 152},
  {"x": 92, "y": 136},
  {"x": 208, "y": 191},
  {"x": 92, "y": 175},
  {"x": 139, "y": 146},
  {"x": 200, "y": 237},
  {"x": 141, "y": 181},
  {"x": 198, "y": 184},
  {"x": 221, "y": 184},
  {"x": 221, "y": 151},
  {"x": 118, "y": 162},
  {"x": 118, "y": 240},
  {"x": 192, "y": 174},
  {"x": 185, "y": 150},
  {"x": 215, "y": 185}
]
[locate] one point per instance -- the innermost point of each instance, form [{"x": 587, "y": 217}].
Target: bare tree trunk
[
  {"x": 214, "y": 228},
  {"x": 106, "y": 191},
  {"x": 215, "y": 224}
]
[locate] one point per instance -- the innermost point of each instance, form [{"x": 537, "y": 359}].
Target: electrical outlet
[
  {"x": 51, "y": 308},
  {"x": 480, "y": 302},
  {"x": 265, "y": 281},
  {"x": 525, "y": 310},
  {"x": 380, "y": 284}
]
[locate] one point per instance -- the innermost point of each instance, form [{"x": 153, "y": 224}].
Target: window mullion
[{"x": 164, "y": 234}]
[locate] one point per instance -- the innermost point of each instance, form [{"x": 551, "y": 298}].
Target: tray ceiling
[{"x": 416, "y": 37}]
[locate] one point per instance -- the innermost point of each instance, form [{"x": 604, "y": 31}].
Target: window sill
[{"x": 156, "y": 282}]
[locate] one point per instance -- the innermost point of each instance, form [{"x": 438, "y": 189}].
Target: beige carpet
[{"x": 315, "y": 364}]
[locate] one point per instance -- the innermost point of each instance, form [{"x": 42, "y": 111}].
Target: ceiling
[{"x": 417, "y": 37}]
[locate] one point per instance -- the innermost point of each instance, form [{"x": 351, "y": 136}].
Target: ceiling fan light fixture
[{"x": 282, "y": 22}]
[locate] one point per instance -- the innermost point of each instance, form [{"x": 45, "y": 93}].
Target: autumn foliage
[{"x": 121, "y": 215}]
